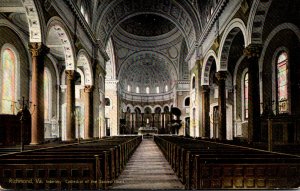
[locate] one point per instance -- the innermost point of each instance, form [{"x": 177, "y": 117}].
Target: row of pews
[
  {"x": 201, "y": 164},
  {"x": 88, "y": 166}
]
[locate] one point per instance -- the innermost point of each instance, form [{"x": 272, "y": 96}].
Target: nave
[{"x": 159, "y": 162}]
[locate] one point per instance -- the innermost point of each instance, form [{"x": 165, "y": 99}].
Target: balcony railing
[{"x": 147, "y": 97}]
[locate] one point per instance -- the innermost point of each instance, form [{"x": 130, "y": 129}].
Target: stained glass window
[
  {"x": 8, "y": 81},
  {"x": 246, "y": 96},
  {"x": 47, "y": 91},
  {"x": 282, "y": 83}
]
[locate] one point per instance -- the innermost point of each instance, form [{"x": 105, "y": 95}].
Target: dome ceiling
[
  {"x": 147, "y": 71},
  {"x": 147, "y": 25}
]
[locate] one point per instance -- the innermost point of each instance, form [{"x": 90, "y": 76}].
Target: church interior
[{"x": 149, "y": 94}]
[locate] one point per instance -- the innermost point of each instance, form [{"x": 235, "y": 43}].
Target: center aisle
[{"x": 147, "y": 169}]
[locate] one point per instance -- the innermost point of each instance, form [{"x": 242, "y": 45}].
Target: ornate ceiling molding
[
  {"x": 118, "y": 11},
  {"x": 56, "y": 28},
  {"x": 147, "y": 68},
  {"x": 35, "y": 33}
]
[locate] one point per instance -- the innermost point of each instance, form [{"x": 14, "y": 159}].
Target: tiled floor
[{"x": 147, "y": 169}]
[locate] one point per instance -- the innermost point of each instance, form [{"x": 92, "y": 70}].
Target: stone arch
[
  {"x": 130, "y": 107},
  {"x": 33, "y": 12},
  {"x": 63, "y": 77},
  {"x": 208, "y": 61},
  {"x": 148, "y": 106},
  {"x": 257, "y": 17},
  {"x": 166, "y": 106},
  {"x": 24, "y": 39},
  {"x": 279, "y": 28},
  {"x": 181, "y": 14},
  {"x": 84, "y": 60},
  {"x": 232, "y": 29},
  {"x": 158, "y": 106},
  {"x": 57, "y": 26},
  {"x": 138, "y": 107}
]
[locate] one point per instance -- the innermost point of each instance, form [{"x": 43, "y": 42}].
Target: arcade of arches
[{"x": 104, "y": 68}]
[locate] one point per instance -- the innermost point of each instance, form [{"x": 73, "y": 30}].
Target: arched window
[
  {"x": 83, "y": 10},
  {"x": 187, "y": 102},
  {"x": 8, "y": 80},
  {"x": 137, "y": 90},
  {"x": 246, "y": 98},
  {"x": 157, "y": 89},
  {"x": 166, "y": 88},
  {"x": 128, "y": 88},
  {"x": 282, "y": 101},
  {"x": 147, "y": 90},
  {"x": 193, "y": 82},
  {"x": 47, "y": 94},
  {"x": 211, "y": 10},
  {"x": 107, "y": 102}
]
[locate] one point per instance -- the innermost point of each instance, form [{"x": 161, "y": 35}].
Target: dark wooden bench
[
  {"x": 208, "y": 165},
  {"x": 92, "y": 165}
]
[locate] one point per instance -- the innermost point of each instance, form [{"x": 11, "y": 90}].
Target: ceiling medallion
[{"x": 173, "y": 52}]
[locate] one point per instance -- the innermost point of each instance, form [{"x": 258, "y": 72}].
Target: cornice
[
  {"x": 219, "y": 9},
  {"x": 81, "y": 19},
  {"x": 159, "y": 42}
]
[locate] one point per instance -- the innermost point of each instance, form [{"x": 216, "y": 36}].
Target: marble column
[
  {"x": 88, "y": 112},
  {"x": 205, "y": 110},
  {"x": 221, "y": 76},
  {"x": 38, "y": 52},
  {"x": 70, "y": 99},
  {"x": 252, "y": 53},
  {"x": 163, "y": 120},
  {"x": 153, "y": 118},
  {"x": 132, "y": 123}
]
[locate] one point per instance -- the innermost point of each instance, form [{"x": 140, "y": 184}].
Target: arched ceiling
[
  {"x": 181, "y": 14},
  {"x": 147, "y": 25}
]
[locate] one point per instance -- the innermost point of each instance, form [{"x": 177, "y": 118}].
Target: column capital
[
  {"x": 38, "y": 49},
  {"x": 221, "y": 75},
  {"x": 205, "y": 88},
  {"x": 88, "y": 88},
  {"x": 70, "y": 74},
  {"x": 253, "y": 50}
]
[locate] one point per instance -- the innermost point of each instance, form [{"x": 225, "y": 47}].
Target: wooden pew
[
  {"x": 208, "y": 165},
  {"x": 88, "y": 166}
]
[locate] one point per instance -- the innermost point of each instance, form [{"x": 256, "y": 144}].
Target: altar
[{"x": 147, "y": 130}]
